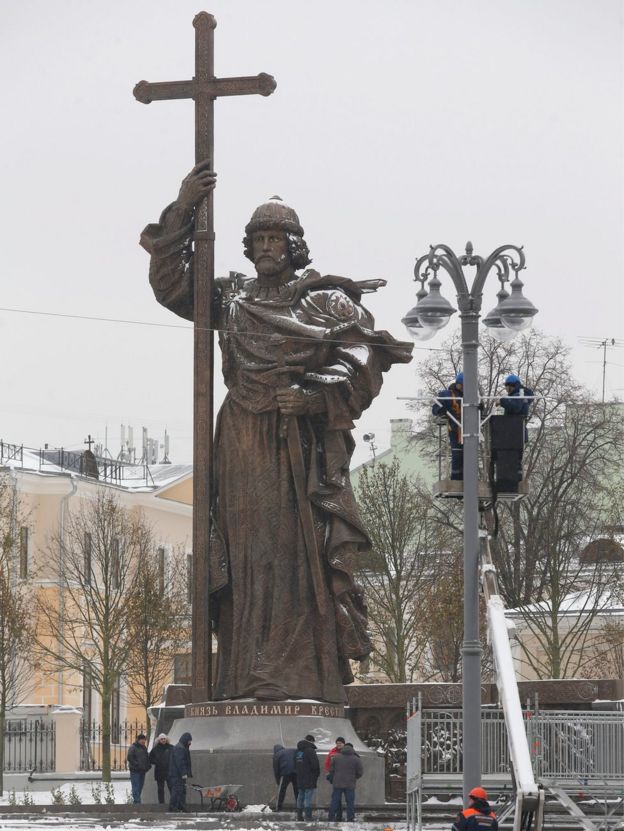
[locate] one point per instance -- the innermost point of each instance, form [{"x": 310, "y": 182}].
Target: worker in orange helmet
[{"x": 477, "y": 816}]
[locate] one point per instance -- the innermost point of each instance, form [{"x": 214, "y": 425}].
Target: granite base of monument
[{"x": 233, "y": 744}]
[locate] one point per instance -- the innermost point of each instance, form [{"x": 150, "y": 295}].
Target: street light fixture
[
  {"x": 493, "y": 322},
  {"x": 517, "y": 312},
  {"x": 414, "y": 327},
  {"x": 512, "y": 314}
]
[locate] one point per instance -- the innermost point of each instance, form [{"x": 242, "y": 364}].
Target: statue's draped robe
[{"x": 313, "y": 332}]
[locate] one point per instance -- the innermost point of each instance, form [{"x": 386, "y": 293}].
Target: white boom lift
[{"x": 529, "y": 796}]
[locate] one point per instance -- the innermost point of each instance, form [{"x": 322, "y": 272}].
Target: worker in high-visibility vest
[
  {"x": 449, "y": 403},
  {"x": 478, "y": 816}
]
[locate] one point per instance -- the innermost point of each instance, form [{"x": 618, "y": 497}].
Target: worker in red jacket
[
  {"x": 477, "y": 816},
  {"x": 340, "y": 743}
]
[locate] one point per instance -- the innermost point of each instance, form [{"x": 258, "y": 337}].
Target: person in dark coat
[
  {"x": 346, "y": 768},
  {"x": 284, "y": 770},
  {"x": 308, "y": 771},
  {"x": 179, "y": 771},
  {"x": 478, "y": 816},
  {"x": 340, "y": 743},
  {"x": 138, "y": 764},
  {"x": 449, "y": 403},
  {"x": 518, "y": 399},
  {"x": 159, "y": 757}
]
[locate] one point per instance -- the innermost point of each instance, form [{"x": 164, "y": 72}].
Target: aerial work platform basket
[{"x": 500, "y": 464}]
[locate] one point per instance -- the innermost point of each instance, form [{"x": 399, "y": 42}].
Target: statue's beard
[{"x": 273, "y": 272}]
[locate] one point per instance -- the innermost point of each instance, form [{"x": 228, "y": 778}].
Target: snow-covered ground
[
  {"x": 86, "y": 824},
  {"x": 84, "y": 793},
  {"x": 88, "y": 792}
]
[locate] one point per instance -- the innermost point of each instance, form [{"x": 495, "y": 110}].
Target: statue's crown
[{"x": 274, "y": 214}]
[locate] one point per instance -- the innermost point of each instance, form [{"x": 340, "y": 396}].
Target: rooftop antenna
[
  {"x": 604, "y": 344},
  {"x": 166, "y": 460}
]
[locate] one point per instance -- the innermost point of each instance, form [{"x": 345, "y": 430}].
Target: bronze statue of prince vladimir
[{"x": 301, "y": 361}]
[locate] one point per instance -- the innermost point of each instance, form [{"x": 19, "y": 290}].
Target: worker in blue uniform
[
  {"x": 478, "y": 816},
  {"x": 518, "y": 399},
  {"x": 449, "y": 403}
]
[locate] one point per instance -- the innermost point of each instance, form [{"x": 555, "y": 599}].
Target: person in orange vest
[{"x": 477, "y": 816}]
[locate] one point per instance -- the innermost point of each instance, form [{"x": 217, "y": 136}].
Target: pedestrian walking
[
  {"x": 308, "y": 771},
  {"x": 159, "y": 758},
  {"x": 346, "y": 768},
  {"x": 138, "y": 764},
  {"x": 179, "y": 771},
  {"x": 284, "y": 770}
]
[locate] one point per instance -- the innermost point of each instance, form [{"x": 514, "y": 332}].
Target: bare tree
[
  {"x": 572, "y": 462},
  {"x": 90, "y": 631},
  {"x": 159, "y": 623},
  {"x": 444, "y": 622},
  {"x": 397, "y": 575},
  {"x": 15, "y": 610}
]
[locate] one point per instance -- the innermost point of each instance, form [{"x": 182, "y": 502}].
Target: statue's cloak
[{"x": 313, "y": 332}]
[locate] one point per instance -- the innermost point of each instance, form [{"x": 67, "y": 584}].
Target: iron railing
[
  {"x": 11, "y": 452},
  {"x": 108, "y": 470},
  {"x": 579, "y": 745},
  {"x": 564, "y": 745},
  {"x": 29, "y": 745},
  {"x": 122, "y": 736}
]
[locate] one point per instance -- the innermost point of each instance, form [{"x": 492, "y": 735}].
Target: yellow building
[{"x": 49, "y": 486}]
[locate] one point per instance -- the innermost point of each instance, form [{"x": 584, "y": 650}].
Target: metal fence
[
  {"x": 122, "y": 736},
  {"x": 564, "y": 745},
  {"x": 442, "y": 742},
  {"x": 577, "y": 745},
  {"x": 29, "y": 745}
]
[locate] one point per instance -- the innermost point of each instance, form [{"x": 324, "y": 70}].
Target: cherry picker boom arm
[{"x": 529, "y": 804}]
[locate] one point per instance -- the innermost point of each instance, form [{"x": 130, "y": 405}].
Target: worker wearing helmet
[
  {"x": 449, "y": 403},
  {"x": 518, "y": 399},
  {"x": 477, "y": 816}
]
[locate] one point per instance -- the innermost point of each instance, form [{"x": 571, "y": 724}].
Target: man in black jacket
[
  {"x": 159, "y": 757},
  {"x": 284, "y": 770},
  {"x": 308, "y": 771},
  {"x": 138, "y": 765},
  {"x": 179, "y": 771}
]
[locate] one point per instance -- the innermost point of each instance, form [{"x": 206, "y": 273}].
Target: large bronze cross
[{"x": 203, "y": 89}]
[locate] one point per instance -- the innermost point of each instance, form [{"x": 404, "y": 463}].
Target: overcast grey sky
[{"x": 394, "y": 125}]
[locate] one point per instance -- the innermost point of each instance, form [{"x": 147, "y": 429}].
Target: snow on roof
[
  {"x": 132, "y": 477},
  {"x": 608, "y": 600}
]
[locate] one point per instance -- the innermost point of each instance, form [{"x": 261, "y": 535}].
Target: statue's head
[{"x": 279, "y": 221}]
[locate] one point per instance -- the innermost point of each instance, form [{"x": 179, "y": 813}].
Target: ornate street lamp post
[{"x": 513, "y": 314}]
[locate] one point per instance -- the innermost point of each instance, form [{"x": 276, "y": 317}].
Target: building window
[
  {"x": 115, "y": 566},
  {"x": 182, "y": 668},
  {"x": 189, "y": 578},
  {"x": 23, "y": 553},
  {"x": 161, "y": 571},
  {"x": 88, "y": 545}
]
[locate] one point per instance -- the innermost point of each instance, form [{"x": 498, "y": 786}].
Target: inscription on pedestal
[{"x": 210, "y": 709}]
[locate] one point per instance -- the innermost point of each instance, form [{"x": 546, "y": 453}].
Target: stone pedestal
[{"x": 233, "y": 744}]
